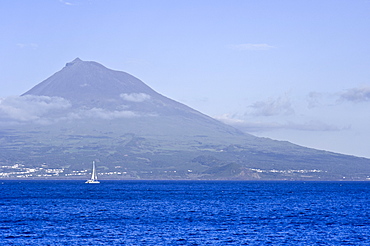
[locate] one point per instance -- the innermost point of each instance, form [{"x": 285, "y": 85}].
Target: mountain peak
[
  {"x": 84, "y": 82},
  {"x": 88, "y": 84},
  {"x": 77, "y": 60}
]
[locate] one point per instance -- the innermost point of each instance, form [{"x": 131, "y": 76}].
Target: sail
[{"x": 94, "y": 176}]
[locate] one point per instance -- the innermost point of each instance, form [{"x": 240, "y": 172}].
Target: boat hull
[{"x": 92, "y": 182}]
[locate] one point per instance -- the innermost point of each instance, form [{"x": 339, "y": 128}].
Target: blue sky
[{"x": 288, "y": 70}]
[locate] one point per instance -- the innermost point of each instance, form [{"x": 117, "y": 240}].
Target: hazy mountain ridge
[{"x": 87, "y": 112}]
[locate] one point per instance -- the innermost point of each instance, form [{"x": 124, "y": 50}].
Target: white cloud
[
  {"x": 314, "y": 99},
  {"x": 272, "y": 107},
  {"x": 263, "y": 126},
  {"x": 242, "y": 47},
  {"x": 135, "y": 97},
  {"x": 66, "y": 2},
  {"x": 356, "y": 95},
  {"x": 84, "y": 85},
  {"x": 30, "y": 108},
  {"x": 28, "y": 45},
  {"x": 105, "y": 114},
  {"x": 47, "y": 110}
]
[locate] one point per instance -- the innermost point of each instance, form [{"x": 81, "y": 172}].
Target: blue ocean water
[{"x": 184, "y": 213}]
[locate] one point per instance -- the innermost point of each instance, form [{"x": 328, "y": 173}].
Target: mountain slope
[
  {"x": 88, "y": 112},
  {"x": 91, "y": 85}
]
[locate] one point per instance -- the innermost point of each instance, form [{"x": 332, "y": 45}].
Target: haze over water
[{"x": 184, "y": 213}]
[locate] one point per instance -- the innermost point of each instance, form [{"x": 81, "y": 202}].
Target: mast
[{"x": 93, "y": 174}]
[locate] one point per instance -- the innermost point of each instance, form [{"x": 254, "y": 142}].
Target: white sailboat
[{"x": 94, "y": 176}]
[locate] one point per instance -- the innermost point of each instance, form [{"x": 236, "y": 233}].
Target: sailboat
[{"x": 94, "y": 176}]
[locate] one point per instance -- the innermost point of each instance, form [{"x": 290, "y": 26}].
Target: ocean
[{"x": 184, "y": 213}]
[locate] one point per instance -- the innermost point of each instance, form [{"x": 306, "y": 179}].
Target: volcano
[{"x": 87, "y": 112}]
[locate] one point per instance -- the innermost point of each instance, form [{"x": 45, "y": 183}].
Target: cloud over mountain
[
  {"x": 46, "y": 110},
  {"x": 30, "y": 107},
  {"x": 135, "y": 97},
  {"x": 102, "y": 114}
]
